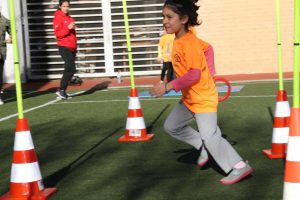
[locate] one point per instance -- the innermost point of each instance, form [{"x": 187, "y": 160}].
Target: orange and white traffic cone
[
  {"x": 26, "y": 180},
  {"x": 280, "y": 127},
  {"x": 291, "y": 189},
  {"x": 135, "y": 125}
]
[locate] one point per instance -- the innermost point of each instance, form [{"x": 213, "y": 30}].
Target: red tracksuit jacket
[{"x": 65, "y": 36}]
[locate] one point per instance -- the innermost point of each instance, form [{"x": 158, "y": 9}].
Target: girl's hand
[
  {"x": 158, "y": 90},
  {"x": 71, "y": 25}
]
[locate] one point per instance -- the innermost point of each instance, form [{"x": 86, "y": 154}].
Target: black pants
[
  {"x": 167, "y": 66},
  {"x": 69, "y": 58}
]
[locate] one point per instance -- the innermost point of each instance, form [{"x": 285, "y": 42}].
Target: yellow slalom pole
[
  {"x": 291, "y": 187},
  {"x": 279, "y": 48},
  {"x": 135, "y": 125},
  {"x": 128, "y": 43},
  {"x": 296, "y": 54},
  {"x": 16, "y": 59}
]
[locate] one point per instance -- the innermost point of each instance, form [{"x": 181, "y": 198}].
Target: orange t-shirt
[
  {"x": 193, "y": 30},
  {"x": 205, "y": 45},
  {"x": 165, "y": 47},
  {"x": 187, "y": 54}
]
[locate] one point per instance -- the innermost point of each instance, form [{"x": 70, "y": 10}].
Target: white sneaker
[
  {"x": 61, "y": 94},
  {"x": 236, "y": 175},
  {"x": 203, "y": 157},
  {"x": 1, "y": 102}
]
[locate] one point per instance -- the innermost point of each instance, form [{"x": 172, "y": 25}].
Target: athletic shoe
[
  {"x": 203, "y": 157},
  {"x": 61, "y": 94},
  {"x": 1, "y": 102},
  {"x": 237, "y": 174}
]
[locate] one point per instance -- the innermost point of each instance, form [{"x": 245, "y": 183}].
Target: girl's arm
[
  {"x": 210, "y": 59},
  {"x": 178, "y": 84},
  {"x": 209, "y": 55},
  {"x": 185, "y": 81}
]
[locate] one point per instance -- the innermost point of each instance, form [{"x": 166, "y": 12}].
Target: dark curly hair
[
  {"x": 63, "y": 1},
  {"x": 185, "y": 7}
]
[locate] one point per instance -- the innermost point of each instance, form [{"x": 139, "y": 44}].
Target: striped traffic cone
[
  {"x": 135, "y": 125},
  {"x": 26, "y": 180},
  {"x": 280, "y": 127},
  {"x": 291, "y": 189}
]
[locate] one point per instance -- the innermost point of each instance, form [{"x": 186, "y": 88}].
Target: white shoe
[
  {"x": 1, "y": 102},
  {"x": 61, "y": 94},
  {"x": 236, "y": 175},
  {"x": 203, "y": 157}
]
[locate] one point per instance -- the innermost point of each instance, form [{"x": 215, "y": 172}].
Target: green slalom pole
[
  {"x": 16, "y": 59},
  {"x": 279, "y": 48},
  {"x": 296, "y": 54},
  {"x": 128, "y": 43}
]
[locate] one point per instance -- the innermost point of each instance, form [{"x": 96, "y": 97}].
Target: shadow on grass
[
  {"x": 220, "y": 124},
  {"x": 57, "y": 176},
  {"x": 100, "y": 86},
  {"x": 190, "y": 156},
  {"x": 150, "y": 127},
  {"x": 10, "y": 96},
  {"x": 271, "y": 114},
  {"x": 232, "y": 142}
]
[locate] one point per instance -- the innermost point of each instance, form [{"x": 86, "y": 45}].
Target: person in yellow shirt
[
  {"x": 199, "y": 94},
  {"x": 164, "y": 56}
]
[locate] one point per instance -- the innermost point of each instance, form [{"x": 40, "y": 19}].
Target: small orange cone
[
  {"x": 26, "y": 180},
  {"x": 280, "y": 127},
  {"x": 135, "y": 125},
  {"x": 291, "y": 189}
]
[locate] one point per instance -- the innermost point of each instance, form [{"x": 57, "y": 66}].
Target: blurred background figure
[
  {"x": 4, "y": 29},
  {"x": 64, "y": 30},
  {"x": 164, "y": 56}
]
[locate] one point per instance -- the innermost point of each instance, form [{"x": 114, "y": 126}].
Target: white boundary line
[
  {"x": 260, "y": 81},
  {"x": 29, "y": 110},
  {"x": 114, "y": 100},
  {"x": 235, "y": 82},
  {"x": 58, "y": 101},
  {"x": 24, "y": 94},
  {"x": 32, "y": 109},
  {"x": 155, "y": 99}
]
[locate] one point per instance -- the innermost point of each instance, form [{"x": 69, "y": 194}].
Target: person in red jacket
[{"x": 64, "y": 30}]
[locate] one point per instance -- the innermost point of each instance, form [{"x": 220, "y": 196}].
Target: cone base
[
  {"x": 125, "y": 138},
  {"x": 43, "y": 195},
  {"x": 269, "y": 154}
]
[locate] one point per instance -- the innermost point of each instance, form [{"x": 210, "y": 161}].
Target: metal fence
[{"x": 102, "y": 49}]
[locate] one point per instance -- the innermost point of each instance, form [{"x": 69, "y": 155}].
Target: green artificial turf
[{"x": 79, "y": 153}]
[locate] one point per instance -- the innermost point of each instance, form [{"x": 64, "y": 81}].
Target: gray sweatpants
[{"x": 209, "y": 135}]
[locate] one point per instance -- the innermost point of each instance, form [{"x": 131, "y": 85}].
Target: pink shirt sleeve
[
  {"x": 186, "y": 80},
  {"x": 210, "y": 59}
]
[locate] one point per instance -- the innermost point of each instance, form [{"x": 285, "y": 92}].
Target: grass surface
[{"x": 79, "y": 153}]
